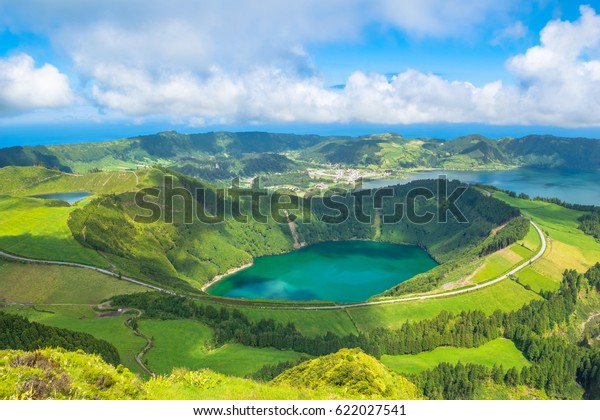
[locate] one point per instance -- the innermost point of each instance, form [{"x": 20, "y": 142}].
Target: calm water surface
[
  {"x": 345, "y": 271},
  {"x": 580, "y": 187},
  {"x": 68, "y": 197}
]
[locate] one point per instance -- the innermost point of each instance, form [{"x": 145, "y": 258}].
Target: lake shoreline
[
  {"x": 229, "y": 272},
  {"x": 336, "y": 272}
]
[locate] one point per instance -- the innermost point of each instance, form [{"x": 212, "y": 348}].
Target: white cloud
[
  {"x": 561, "y": 76},
  {"x": 511, "y": 33},
  {"x": 225, "y": 61},
  {"x": 26, "y": 87},
  {"x": 234, "y": 34},
  {"x": 441, "y": 17}
]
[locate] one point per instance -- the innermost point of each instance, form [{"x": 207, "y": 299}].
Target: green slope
[
  {"x": 57, "y": 374},
  {"x": 222, "y": 155},
  {"x": 496, "y": 352},
  {"x": 353, "y": 373}
]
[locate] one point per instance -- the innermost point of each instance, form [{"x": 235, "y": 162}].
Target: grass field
[
  {"x": 505, "y": 295},
  {"x": 538, "y": 282},
  {"x": 38, "y": 284},
  {"x": 82, "y": 318},
  {"x": 26, "y": 181},
  {"x": 497, "y": 352},
  {"x": 497, "y": 264},
  {"x": 29, "y": 228},
  {"x": 183, "y": 343},
  {"x": 503, "y": 261},
  {"x": 310, "y": 323},
  {"x": 568, "y": 247}
]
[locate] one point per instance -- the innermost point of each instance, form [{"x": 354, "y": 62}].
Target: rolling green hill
[
  {"x": 104, "y": 230},
  {"x": 354, "y": 373},
  {"x": 224, "y": 155},
  {"x": 58, "y": 374},
  {"x": 180, "y": 252},
  {"x": 237, "y": 337}
]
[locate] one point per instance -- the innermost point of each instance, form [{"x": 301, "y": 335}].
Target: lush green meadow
[
  {"x": 27, "y": 181},
  {"x": 536, "y": 281},
  {"x": 496, "y": 264},
  {"x": 186, "y": 343},
  {"x": 506, "y": 295},
  {"x": 568, "y": 247},
  {"x": 501, "y": 262},
  {"x": 309, "y": 323},
  {"x": 29, "y": 228},
  {"x": 496, "y": 352},
  {"x": 40, "y": 283},
  {"x": 82, "y": 318}
]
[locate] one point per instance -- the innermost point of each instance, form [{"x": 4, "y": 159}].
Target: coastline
[{"x": 227, "y": 273}]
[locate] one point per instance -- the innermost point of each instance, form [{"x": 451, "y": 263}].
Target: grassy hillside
[
  {"x": 506, "y": 295},
  {"x": 82, "y": 318},
  {"x": 30, "y": 228},
  {"x": 57, "y": 374},
  {"x": 568, "y": 246},
  {"x": 46, "y": 284},
  {"x": 223, "y": 155},
  {"x": 27, "y": 181},
  {"x": 187, "y": 344},
  {"x": 495, "y": 352},
  {"x": 354, "y": 373}
]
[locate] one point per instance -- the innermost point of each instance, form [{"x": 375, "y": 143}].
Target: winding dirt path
[{"x": 139, "y": 358}]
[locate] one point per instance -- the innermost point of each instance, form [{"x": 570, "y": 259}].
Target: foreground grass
[
  {"x": 58, "y": 374},
  {"x": 497, "y": 352},
  {"x": 185, "y": 343},
  {"x": 82, "y": 318},
  {"x": 39, "y": 284}
]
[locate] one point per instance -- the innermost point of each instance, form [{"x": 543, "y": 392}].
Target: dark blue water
[
  {"x": 68, "y": 197},
  {"x": 580, "y": 187}
]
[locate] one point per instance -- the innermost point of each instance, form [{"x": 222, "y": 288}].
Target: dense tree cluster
[
  {"x": 590, "y": 224},
  {"x": 588, "y": 374},
  {"x": 593, "y": 276},
  {"x": 514, "y": 231},
  {"x": 456, "y": 382},
  {"x": 18, "y": 333},
  {"x": 555, "y": 362},
  {"x": 572, "y": 206}
]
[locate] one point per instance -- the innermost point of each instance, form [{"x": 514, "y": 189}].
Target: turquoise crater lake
[
  {"x": 69, "y": 197},
  {"x": 344, "y": 271}
]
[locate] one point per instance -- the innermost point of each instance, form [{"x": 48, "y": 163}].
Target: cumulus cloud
[
  {"x": 268, "y": 94},
  {"x": 512, "y": 32},
  {"x": 220, "y": 61},
  {"x": 234, "y": 34},
  {"x": 561, "y": 76},
  {"x": 23, "y": 86}
]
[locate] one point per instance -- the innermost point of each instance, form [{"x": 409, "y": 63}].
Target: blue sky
[{"x": 76, "y": 71}]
